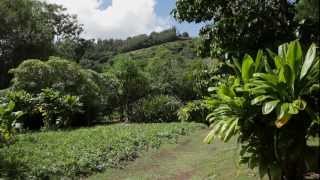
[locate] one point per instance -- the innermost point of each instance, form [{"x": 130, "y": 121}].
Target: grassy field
[
  {"x": 81, "y": 152},
  {"x": 189, "y": 159}
]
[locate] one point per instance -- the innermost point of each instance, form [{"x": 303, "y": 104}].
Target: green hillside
[
  {"x": 172, "y": 68},
  {"x": 181, "y": 49}
]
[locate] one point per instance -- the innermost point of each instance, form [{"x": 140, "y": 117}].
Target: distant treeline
[{"x": 91, "y": 53}]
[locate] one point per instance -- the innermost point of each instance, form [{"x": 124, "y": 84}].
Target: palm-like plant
[
  {"x": 285, "y": 89},
  {"x": 258, "y": 104},
  {"x": 231, "y": 99},
  {"x": 229, "y": 108}
]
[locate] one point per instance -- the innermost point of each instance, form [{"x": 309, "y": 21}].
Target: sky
[{"x": 119, "y": 19}]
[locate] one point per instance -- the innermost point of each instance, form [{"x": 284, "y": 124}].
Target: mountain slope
[{"x": 181, "y": 49}]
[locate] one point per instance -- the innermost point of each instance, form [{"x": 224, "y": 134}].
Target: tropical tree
[
  {"x": 236, "y": 27},
  {"x": 96, "y": 91},
  {"x": 28, "y": 30},
  {"x": 132, "y": 84},
  {"x": 272, "y": 107}
]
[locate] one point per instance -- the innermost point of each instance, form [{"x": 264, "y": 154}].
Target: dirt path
[{"x": 189, "y": 159}]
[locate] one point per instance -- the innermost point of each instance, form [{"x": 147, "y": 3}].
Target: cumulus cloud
[{"x": 123, "y": 18}]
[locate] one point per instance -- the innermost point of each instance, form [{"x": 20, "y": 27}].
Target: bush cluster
[
  {"x": 161, "y": 108},
  {"x": 53, "y": 109},
  {"x": 59, "y": 89}
]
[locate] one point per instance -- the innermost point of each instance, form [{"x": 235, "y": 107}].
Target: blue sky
[
  {"x": 119, "y": 19},
  {"x": 163, "y": 9}
]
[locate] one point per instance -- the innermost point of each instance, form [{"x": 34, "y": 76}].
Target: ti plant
[
  {"x": 271, "y": 106},
  {"x": 287, "y": 88}
]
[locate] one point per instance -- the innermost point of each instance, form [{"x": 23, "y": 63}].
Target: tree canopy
[
  {"x": 239, "y": 26},
  {"x": 28, "y": 30}
]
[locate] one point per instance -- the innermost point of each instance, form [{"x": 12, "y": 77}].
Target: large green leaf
[
  {"x": 271, "y": 78},
  {"x": 294, "y": 56},
  {"x": 216, "y": 126},
  {"x": 232, "y": 129},
  {"x": 10, "y": 106},
  {"x": 282, "y": 110},
  {"x": 278, "y": 62},
  {"x": 282, "y": 50},
  {"x": 226, "y": 93},
  {"x": 293, "y": 109},
  {"x": 268, "y": 107},
  {"x": 266, "y": 65},
  {"x": 247, "y": 68},
  {"x": 260, "y": 99},
  {"x": 224, "y": 129},
  {"x": 300, "y": 104},
  {"x": 271, "y": 54},
  {"x": 258, "y": 62},
  {"x": 237, "y": 64},
  {"x": 283, "y": 115},
  {"x": 309, "y": 60},
  {"x": 286, "y": 75}
]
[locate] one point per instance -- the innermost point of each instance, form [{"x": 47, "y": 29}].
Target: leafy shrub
[
  {"x": 78, "y": 153},
  {"x": 196, "y": 111},
  {"x": 62, "y": 75},
  {"x": 273, "y": 109},
  {"x": 161, "y": 108},
  {"x": 7, "y": 119},
  {"x": 49, "y": 109},
  {"x": 26, "y": 103},
  {"x": 69, "y": 79},
  {"x": 57, "y": 110}
]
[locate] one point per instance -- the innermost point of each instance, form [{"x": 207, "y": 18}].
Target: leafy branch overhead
[{"x": 236, "y": 27}]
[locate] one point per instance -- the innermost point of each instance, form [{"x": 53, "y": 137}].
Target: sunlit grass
[{"x": 84, "y": 151}]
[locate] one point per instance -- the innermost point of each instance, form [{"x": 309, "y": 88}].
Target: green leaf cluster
[{"x": 271, "y": 101}]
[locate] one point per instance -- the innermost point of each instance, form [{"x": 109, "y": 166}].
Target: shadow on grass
[{"x": 12, "y": 169}]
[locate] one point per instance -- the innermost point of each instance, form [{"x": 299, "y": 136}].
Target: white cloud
[{"x": 122, "y": 19}]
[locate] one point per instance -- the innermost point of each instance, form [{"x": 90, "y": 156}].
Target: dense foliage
[
  {"x": 147, "y": 85},
  {"x": 132, "y": 85},
  {"x": 273, "y": 109},
  {"x": 240, "y": 26},
  {"x": 8, "y": 118},
  {"x": 171, "y": 69},
  {"x": 28, "y": 29},
  {"x": 71, "y": 86},
  {"x": 78, "y": 153},
  {"x": 48, "y": 109},
  {"x": 308, "y": 17},
  {"x": 161, "y": 108}
]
